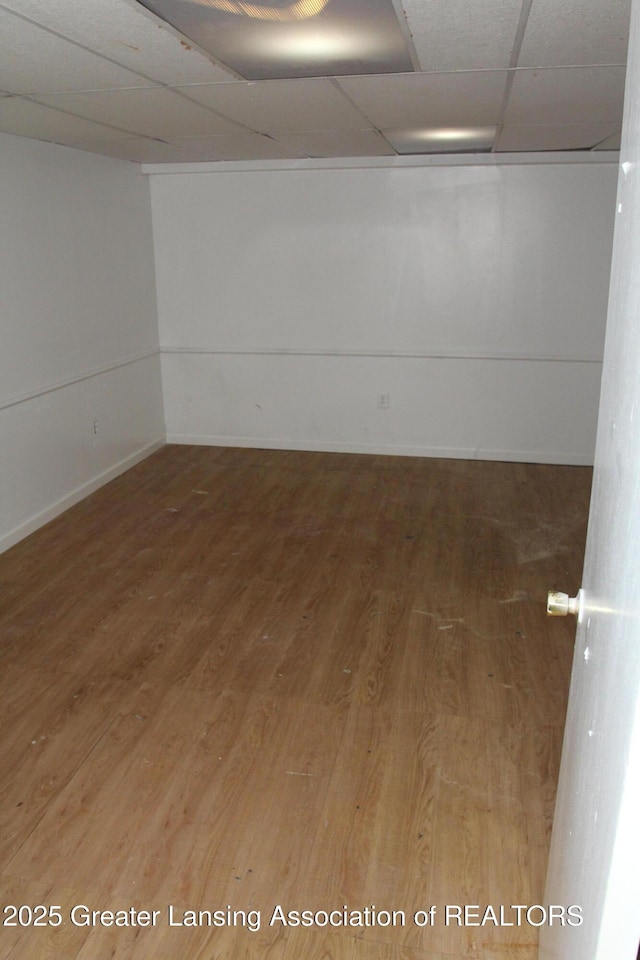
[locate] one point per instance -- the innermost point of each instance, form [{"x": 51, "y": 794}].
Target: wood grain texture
[{"x": 235, "y": 679}]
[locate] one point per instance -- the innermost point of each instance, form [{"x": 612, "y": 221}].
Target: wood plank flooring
[{"x": 233, "y": 680}]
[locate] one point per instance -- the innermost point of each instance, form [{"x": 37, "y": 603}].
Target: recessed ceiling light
[
  {"x": 441, "y": 140},
  {"x": 279, "y": 39}
]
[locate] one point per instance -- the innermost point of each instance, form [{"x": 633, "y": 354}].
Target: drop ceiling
[{"x": 115, "y": 77}]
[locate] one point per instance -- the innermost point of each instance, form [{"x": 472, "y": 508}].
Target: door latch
[{"x": 561, "y": 604}]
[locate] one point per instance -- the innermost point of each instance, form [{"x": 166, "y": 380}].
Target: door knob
[{"x": 561, "y": 604}]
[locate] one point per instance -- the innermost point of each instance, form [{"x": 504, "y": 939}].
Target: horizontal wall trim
[
  {"x": 79, "y": 493},
  {"x": 397, "y": 163},
  {"x": 70, "y": 381},
  {"x": 373, "y": 354},
  {"x": 396, "y": 450}
]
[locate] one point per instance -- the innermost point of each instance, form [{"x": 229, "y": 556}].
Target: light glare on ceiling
[
  {"x": 461, "y": 133},
  {"x": 317, "y": 46}
]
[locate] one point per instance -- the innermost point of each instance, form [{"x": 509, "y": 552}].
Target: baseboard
[
  {"x": 79, "y": 493},
  {"x": 401, "y": 450},
  {"x": 393, "y": 450}
]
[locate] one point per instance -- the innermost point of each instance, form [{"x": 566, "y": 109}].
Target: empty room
[{"x": 317, "y": 433}]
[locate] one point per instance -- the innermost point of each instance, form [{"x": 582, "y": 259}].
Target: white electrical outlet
[{"x": 383, "y": 401}]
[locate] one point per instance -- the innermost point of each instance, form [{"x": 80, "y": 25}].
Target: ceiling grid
[{"x": 299, "y": 79}]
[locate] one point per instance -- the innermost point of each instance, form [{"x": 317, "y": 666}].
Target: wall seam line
[
  {"x": 370, "y": 354},
  {"x": 70, "y": 381}
]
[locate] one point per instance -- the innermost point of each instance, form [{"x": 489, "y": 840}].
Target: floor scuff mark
[{"x": 518, "y": 597}]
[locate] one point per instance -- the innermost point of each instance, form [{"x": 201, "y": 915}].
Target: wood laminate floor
[{"x": 241, "y": 680}]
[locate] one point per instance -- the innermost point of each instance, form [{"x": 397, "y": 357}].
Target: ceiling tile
[
  {"x": 562, "y": 136},
  {"x": 613, "y": 142},
  {"x": 459, "y": 35},
  {"x": 136, "y": 149},
  {"x": 272, "y": 106},
  {"x": 28, "y": 119},
  {"x": 33, "y": 60},
  {"x": 125, "y": 33},
  {"x": 151, "y": 112},
  {"x": 337, "y": 143},
  {"x": 579, "y": 32},
  {"x": 242, "y": 146},
  {"x": 432, "y": 99},
  {"x": 567, "y": 95}
]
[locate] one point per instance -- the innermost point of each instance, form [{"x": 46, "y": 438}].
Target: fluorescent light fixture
[
  {"x": 441, "y": 140},
  {"x": 301, "y": 10},
  {"x": 280, "y": 39}
]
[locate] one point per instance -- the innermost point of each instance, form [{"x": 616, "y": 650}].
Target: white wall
[
  {"x": 288, "y": 300},
  {"x": 78, "y": 330},
  {"x": 473, "y": 295}
]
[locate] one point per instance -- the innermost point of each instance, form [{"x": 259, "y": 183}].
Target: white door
[{"x": 595, "y": 848}]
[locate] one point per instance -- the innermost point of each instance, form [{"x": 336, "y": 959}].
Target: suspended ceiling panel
[
  {"x": 567, "y": 95},
  {"x": 234, "y": 147},
  {"x": 462, "y": 35},
  {"x": 116, "y": 30},
  {"x": 28, "y": 119},
  {"x": 281, "y": 105},
  {"x": 560, "y": 136},
  {"x": 31, "y": 62},
  {"x": 154, "y": 112},
  {"x": 136, "y": 149},
  {"x": 582, "y": 32},
  {"x": 196, "y": 149},
  {"x": 337, "y": 143},
  {"x": 429, "y": 99},
  {"x": 611, "y": 143},
  {"x": 111, "y": 76}
]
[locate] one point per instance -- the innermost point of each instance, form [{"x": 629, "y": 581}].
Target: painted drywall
[
  {"x": 473, "y": 297},
  {"x": 80, "y": 388}
]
